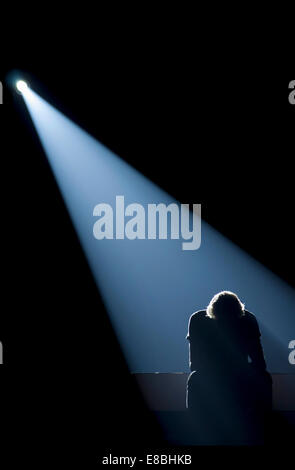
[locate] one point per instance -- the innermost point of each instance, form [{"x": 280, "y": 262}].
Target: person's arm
[
  {"x": 192, "y": 357},
  {"x": 192, "y": 343},
  {"x": 256, "y": 353},
  {"x": 255, "y": 349}
]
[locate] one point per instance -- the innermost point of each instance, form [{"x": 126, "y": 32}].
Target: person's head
[{"x": 225, "y": 305}]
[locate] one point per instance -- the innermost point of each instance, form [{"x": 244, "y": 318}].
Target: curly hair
[{"x": 225, "y": 304}]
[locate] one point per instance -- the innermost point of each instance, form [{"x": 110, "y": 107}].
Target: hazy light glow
[
  {"x": 21, "y": 86},
  {"x": 151, "y": 287}
]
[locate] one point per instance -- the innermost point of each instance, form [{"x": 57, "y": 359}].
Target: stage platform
[{"x": 167, "y": 391}]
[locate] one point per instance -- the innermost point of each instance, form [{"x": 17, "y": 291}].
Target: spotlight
[{"x": 21, "y": 86}]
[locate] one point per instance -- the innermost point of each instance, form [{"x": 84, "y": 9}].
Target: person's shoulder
[
  {"x": 196, "y": 321},
  {"x": 200, "y": 315},
  {"x": 250, "y": 317},
  {"x": 251, "y": 322}
]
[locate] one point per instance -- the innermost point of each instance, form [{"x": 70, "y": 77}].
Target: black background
[{"x": 209, "y": 125}]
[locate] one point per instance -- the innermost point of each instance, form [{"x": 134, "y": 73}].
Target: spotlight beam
[{"x": 151, "y": 287}]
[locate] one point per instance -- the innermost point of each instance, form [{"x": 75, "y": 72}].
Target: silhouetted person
[{"x": 229, "y": 389}]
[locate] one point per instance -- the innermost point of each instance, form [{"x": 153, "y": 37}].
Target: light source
[{"x": 21, "y": 86}]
